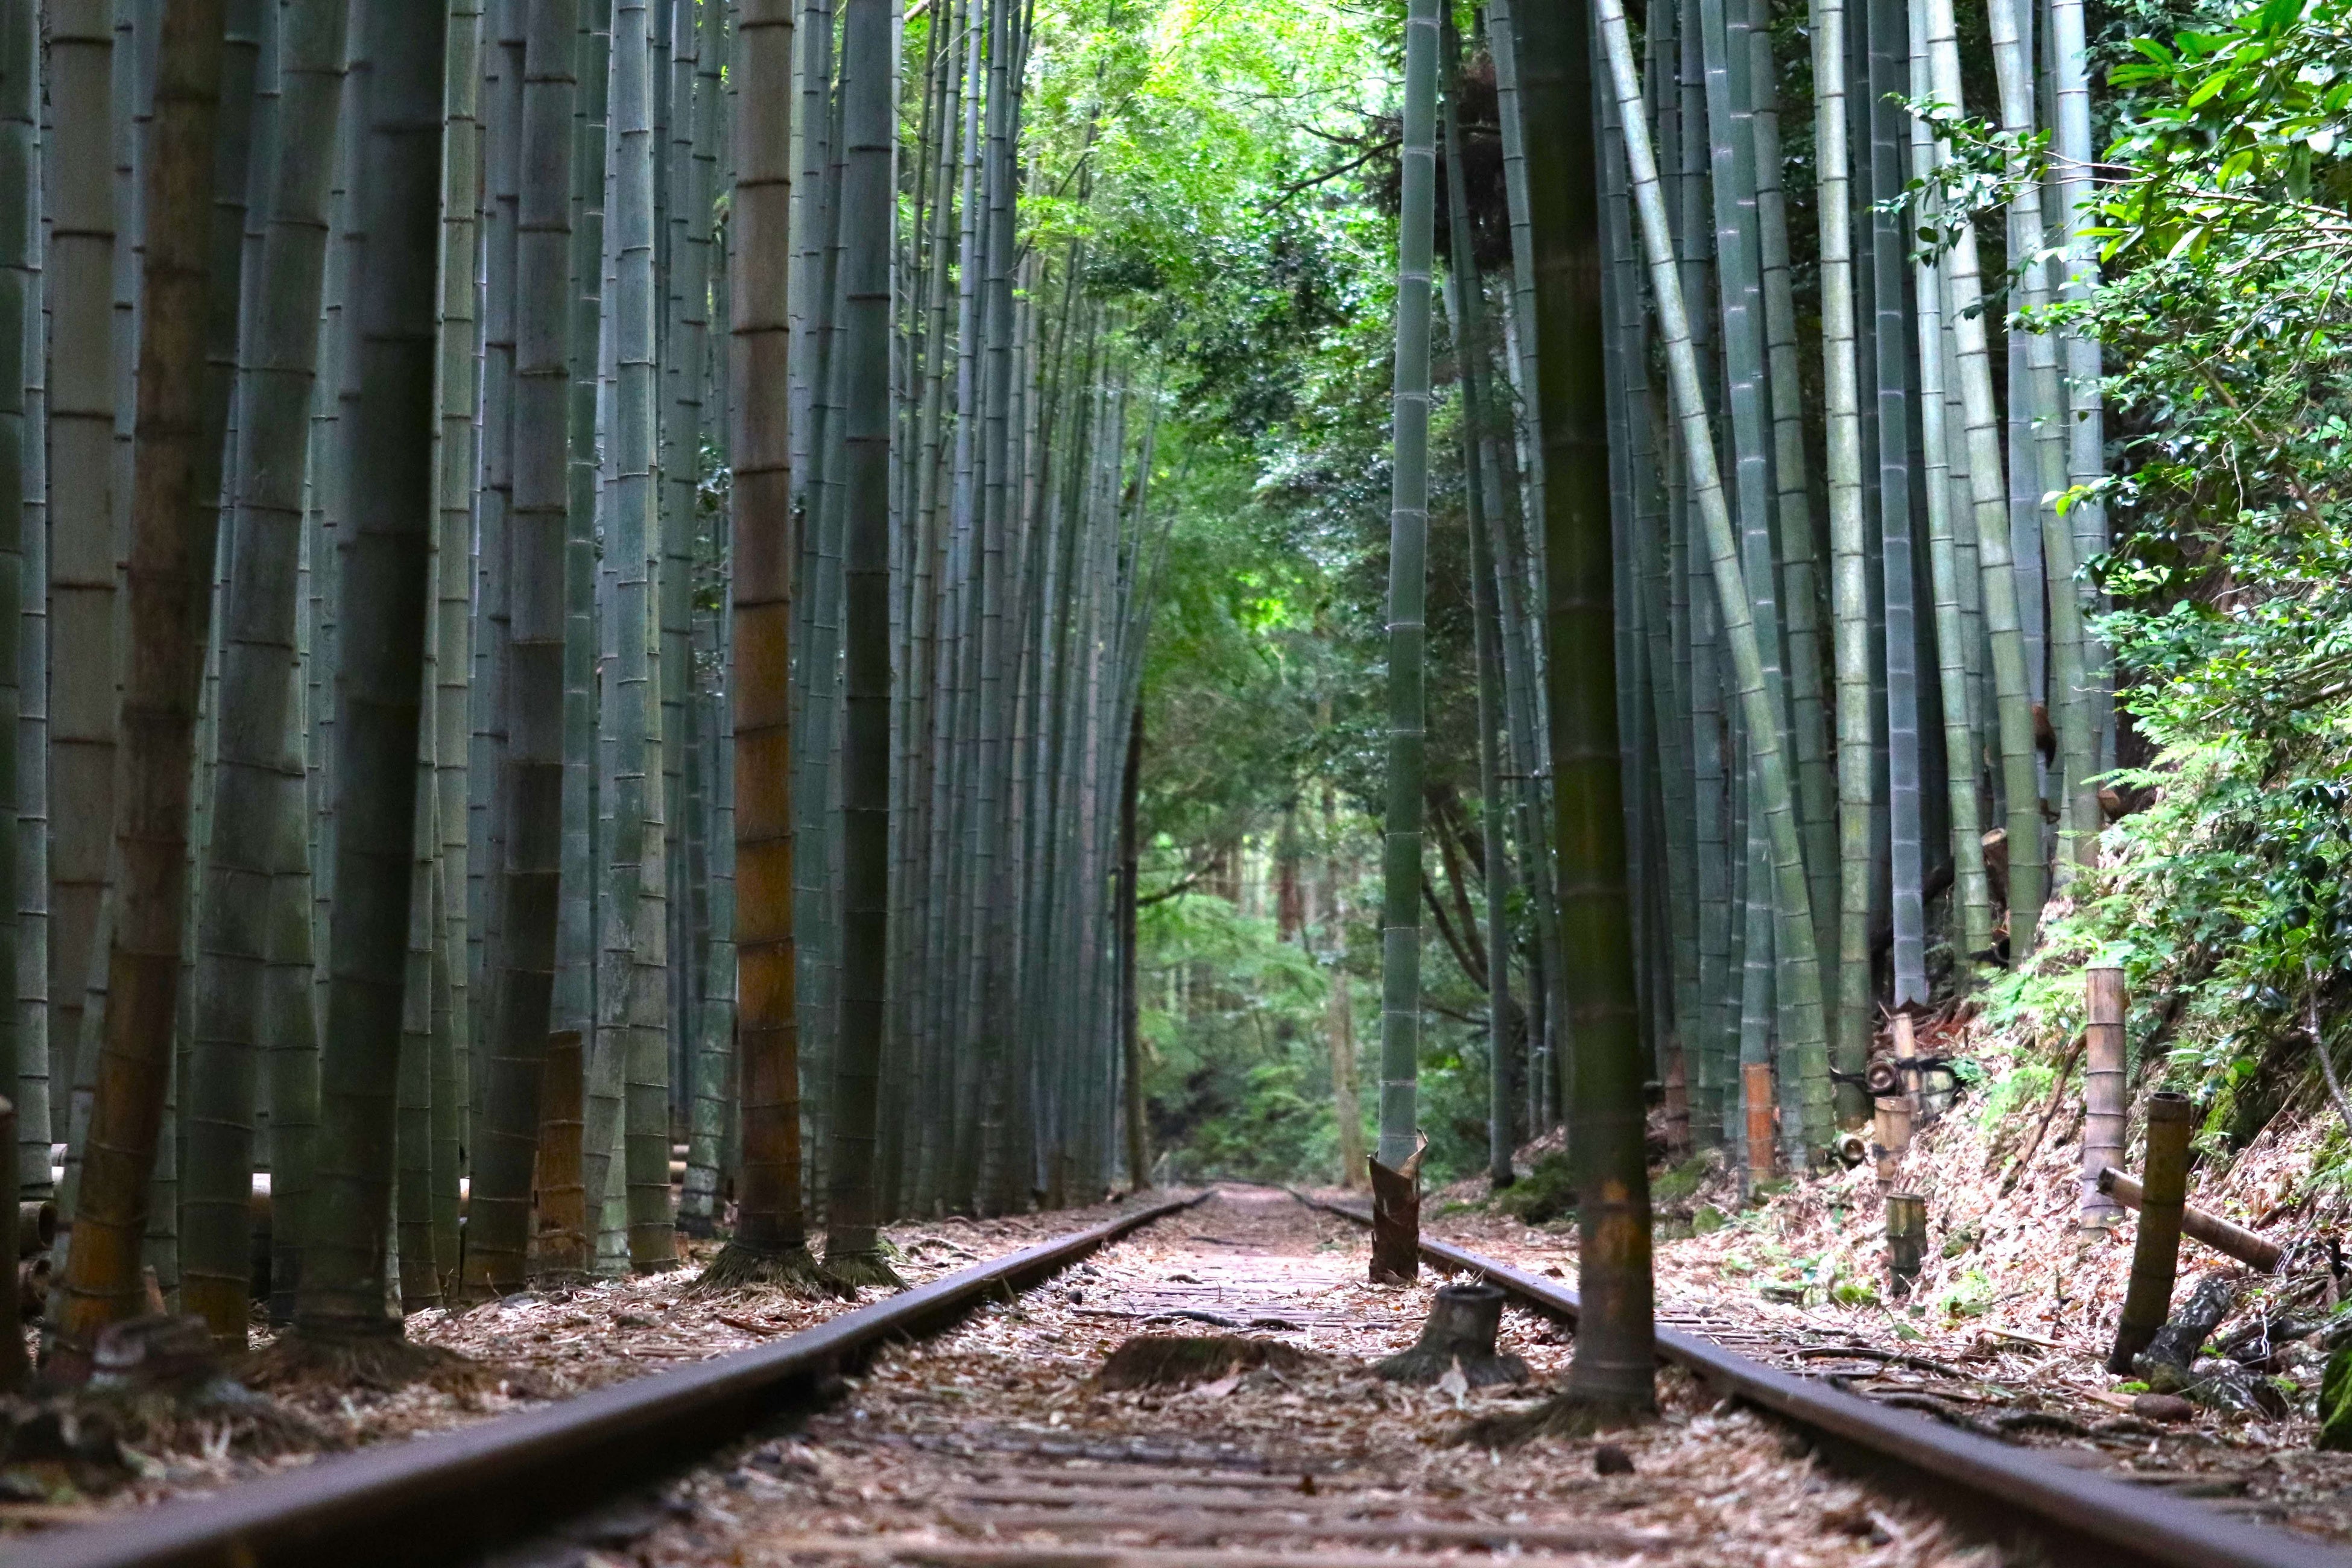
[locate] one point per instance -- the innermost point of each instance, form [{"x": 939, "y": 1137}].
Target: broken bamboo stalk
[
  {"x": 1756, "y": 1079},
  {"x": 1906, "y": 1241},
  {"x": 2103, "y": 1092},
  {"x": 2156, "y": 1254},
  {"x": 2222, "y": 1235}
]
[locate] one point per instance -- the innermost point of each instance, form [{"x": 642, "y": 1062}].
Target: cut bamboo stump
[
  {"x": 2103, "y": 1093},
  {"x": 37, "y": 1225},
  {"x": 2220, "y": 1235},
  {"x": 1396, "y": 1221},
  {"x": 1756, "y": 1087},
  {"x": 1463, "y": 1323},
  {"x": 1907, "y": 1241},
  {"x": 2156, "y": 1254}
]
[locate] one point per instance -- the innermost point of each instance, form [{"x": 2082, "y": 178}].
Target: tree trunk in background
[
  {"x": 1603, "y": 1094},
  {"x": 1408, "y": 573},
  {"x": 531, "y": 784},
  {"x": 387, "y": 586},
  {"x": 174, "y": 523},
  {"x": 770, "y": 1241}
]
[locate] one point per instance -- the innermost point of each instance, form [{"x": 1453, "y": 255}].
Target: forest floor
[
  {"x": 2009, "y": 1326},
  {"x": 998, "y": 1443},
  {"x": 521, "y": 1350}
]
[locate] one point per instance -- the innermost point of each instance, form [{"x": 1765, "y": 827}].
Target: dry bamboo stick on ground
[{"x": 2222, "y": 1235}]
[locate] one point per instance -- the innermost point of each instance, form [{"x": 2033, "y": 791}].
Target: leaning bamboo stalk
[
  {"x": 1799, "y": 963},
  {"x": 2156, "y": 1252}
]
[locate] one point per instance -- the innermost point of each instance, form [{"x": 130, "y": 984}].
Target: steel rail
[
  {"x": 1990, "y": 1489},
  {"x": 448, "y": 1497}
]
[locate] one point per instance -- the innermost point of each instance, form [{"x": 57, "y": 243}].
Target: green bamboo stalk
[
  {"x": 1800, "y": 567},
  {"x": 2012, "y": 704},
  {"x": 379, "y": 678},
  {"x": 770, "y": 1241},
  {"x": 852, "y": 1252},
  {"x": 36, "y": 1104},
  {"x": 457, "y": 454},
  {"x": 2070, "y": 698},
  {"x": 174, "y": 524},
  {"x": 1971, "y": 899},
  {"x": 531, "y": 784},
  {"x": 635, "y": 948},
  {"x": 27, "y": 1059},
  {"x": 2086, "y": 433},
  {"x": 1798, "y": 968},
  {"x": 83, "y": 506},
  {"x": 1465, "y": 295},
  {"x": 254, "y": 794},
  {"x": 1613, "y": 1365},
  {"x": 1408, "y": 546}
]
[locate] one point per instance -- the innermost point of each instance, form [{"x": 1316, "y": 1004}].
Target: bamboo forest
[{"x": 699, "y": 685}]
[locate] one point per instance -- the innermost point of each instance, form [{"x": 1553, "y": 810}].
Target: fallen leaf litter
[{"x": 997, "y": 1445}]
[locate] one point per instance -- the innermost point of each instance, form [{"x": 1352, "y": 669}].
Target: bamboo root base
[
  {"x": 295, "y": 1362},
  {"x": 864, "y": 1270},
  {"x": 741, "y": 1267},
  {"x": 1562, "y": 1416}
]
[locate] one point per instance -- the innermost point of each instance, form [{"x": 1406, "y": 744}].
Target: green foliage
[
  {"x": 1547, "y": 1192},
  {"x": 2226, "y": 897}
]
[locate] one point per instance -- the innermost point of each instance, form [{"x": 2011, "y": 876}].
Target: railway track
[
  {"x": 993, "y": 1446},
  {"x": 2017, "y": 1497}
]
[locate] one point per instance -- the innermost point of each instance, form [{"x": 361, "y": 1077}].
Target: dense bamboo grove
[
  {"x": 557, "y": 467},
  {"x": 587, "y": 570}
]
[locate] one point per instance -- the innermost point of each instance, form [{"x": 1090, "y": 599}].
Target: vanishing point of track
[{"x": 453, "y": 1497}]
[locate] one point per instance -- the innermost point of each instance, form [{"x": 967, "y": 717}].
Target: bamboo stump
[
  {"x": 1756, "y": 1085},
  {"x": 1907, "y": 1241},
  {"x": 2156, "y": 1254},
  {"x": 2103, "y": 1095},
  {"x": 1460, "y": 1332}
]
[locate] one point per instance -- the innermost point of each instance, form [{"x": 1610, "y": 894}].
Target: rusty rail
[
  {"x": 1995, "y": 1492},
  {"x": 451, "y": 1496}
]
